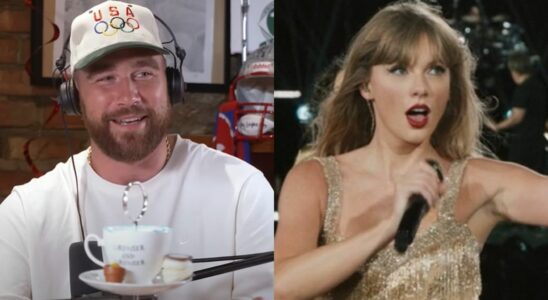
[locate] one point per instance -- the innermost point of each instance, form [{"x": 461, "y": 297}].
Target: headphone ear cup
[
  {"x": 175, "y": 85},
  {"x": 68, "y": 98}
]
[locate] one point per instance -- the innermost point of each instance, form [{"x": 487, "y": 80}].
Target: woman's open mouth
[{"x": 417, "y": 115}]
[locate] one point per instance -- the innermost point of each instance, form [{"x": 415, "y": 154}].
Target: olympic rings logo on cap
[{"x": 116, "y": 23}]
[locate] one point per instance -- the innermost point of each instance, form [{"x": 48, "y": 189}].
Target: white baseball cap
[{"x": 110, "y": 26}]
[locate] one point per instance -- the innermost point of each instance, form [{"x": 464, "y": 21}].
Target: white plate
[{"x": 96, "y": 279}]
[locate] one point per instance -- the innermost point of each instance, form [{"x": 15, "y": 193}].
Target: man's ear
[{"x": 365, "y": 92}]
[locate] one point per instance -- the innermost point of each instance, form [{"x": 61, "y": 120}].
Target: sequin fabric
[{"x": 442, "y": 263}]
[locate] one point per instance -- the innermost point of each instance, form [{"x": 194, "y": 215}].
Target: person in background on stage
[{"x": 527, "y": 118}]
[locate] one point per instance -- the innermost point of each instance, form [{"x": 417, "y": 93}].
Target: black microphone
[{"x": 413, "y": 215}]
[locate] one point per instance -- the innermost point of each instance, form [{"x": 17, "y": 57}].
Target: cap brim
[{"x": 94, "y": 56}]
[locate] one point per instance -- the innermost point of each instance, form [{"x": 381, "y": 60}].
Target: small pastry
[
  {"x": 176, "y": 267},
  {"x": 114, "y": 273}
]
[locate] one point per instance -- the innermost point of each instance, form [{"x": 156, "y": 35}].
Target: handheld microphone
[{"x": 413, "y": 215}]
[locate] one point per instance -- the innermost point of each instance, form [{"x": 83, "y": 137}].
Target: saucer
[{"x": 96, "y": 279}]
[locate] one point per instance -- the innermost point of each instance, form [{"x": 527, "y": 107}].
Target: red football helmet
[{"x": 253, "y": 92}]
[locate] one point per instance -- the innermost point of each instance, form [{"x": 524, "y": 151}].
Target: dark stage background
[{"x": 310, "y": 33}]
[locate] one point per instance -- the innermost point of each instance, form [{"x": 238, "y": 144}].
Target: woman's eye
[
  {"x": 397, "y": 70},
  {"x": 436, "y": 70}
]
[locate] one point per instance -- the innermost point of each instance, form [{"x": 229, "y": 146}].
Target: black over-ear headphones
[{"x": 68, "y": 94}]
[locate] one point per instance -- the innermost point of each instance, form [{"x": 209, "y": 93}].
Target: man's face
[{"x": 124, "y": 102}]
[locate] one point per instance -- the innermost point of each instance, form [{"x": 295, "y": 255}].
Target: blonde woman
[{"x": 406, "y": 96}]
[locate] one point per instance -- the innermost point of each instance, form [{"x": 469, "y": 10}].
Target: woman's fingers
[{"x": 423, "y": 180}]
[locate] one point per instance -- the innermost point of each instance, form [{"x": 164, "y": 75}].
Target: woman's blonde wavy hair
[{"x": 391, "y": 36}]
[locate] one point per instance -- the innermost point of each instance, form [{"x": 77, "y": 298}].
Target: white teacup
[{"x": 140, "y": 250}]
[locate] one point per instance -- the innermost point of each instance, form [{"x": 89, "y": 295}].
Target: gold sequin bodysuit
[{"x": 442, "y": 263}]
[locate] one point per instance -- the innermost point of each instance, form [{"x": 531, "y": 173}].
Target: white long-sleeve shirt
[{"x": 216, "y": 204}]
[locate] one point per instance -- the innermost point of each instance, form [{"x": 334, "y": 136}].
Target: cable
[
  {"x": 62, "y": 68},
  {"x": 256, "y": 259},
  {"x": 65, "y": 128},
  {"x": 221, "y": 258}
]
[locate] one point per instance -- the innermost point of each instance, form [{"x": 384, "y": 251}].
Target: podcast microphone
[{"x": 413, "y": 214}]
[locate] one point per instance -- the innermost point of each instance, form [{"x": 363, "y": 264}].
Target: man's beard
[{"x": 129, "y": 146}]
